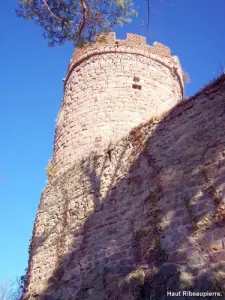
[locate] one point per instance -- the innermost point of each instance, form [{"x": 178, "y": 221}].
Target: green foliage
[
  {"x": 120, "y": 4},
  {"x": 50, "y": 171},
  {"x": 76, "y": 20}
]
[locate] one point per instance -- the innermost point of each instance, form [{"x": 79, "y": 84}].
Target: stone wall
[
  {"x": 116, "y": 224},
  {"x": 112, "y": 86}
]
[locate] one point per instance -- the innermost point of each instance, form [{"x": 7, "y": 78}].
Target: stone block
[
  {"x": 216, "y": 246},
  {"x": 219, "y": 255}
]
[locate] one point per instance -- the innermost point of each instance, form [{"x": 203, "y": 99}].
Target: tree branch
[
  {"x": 84, "y": 12},
  {"x": 49, "y": 10},
  {"x": 148, "y": 5}
]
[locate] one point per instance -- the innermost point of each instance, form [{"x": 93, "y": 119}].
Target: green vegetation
[{"x": 76, "y": 20}]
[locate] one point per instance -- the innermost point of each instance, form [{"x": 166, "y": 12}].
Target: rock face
[{"x": 141, "y": 217}]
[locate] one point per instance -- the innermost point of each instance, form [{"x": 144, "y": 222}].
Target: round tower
[{"x": 111, "y": 86}]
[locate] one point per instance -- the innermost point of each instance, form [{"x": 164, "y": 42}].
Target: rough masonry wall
[
  {"x": 119, "y": 217},
  {"x": 111, "y": 87}
]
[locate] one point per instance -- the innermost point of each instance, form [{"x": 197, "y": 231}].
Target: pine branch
[
  {"x": 148, "y": 22},
  {"x": 84, "y": 11},
  {"x": 49, "y": 10}
]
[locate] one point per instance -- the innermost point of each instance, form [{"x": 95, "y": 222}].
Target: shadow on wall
[{"x": 150, "y": 218}]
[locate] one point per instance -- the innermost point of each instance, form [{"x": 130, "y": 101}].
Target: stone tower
[{"x": 111, "y": 86}]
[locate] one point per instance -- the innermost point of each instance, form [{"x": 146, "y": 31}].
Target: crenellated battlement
[
  {"x": 133, "y": 41},
  {"x": 134, "y": 44}
]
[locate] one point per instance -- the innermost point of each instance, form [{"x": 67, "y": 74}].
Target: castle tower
[{"x": 111, "y": 86}]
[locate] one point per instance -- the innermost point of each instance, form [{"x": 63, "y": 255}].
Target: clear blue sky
[{"x": 31, "y": 92}]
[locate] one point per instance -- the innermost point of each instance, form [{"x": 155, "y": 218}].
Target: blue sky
[{"x": 31, "y": 92}]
